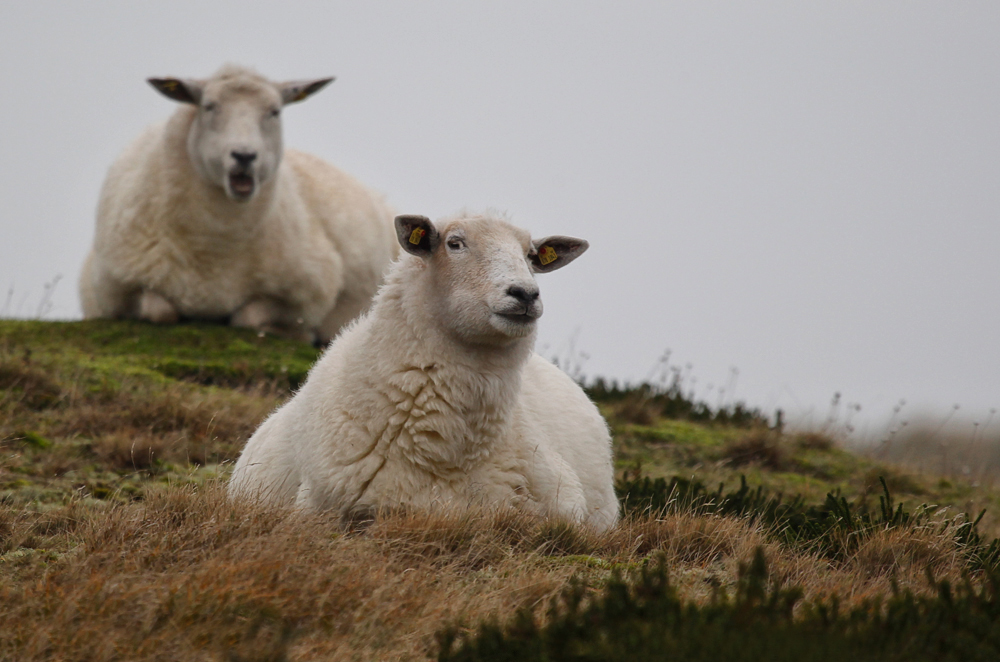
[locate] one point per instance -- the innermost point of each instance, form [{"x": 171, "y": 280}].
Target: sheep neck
[{"x": 458, "y": 396}]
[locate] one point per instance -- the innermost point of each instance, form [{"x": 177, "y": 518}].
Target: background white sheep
[
  {"x": 206, "y": 217},
  {"x": 436, "y": 395}
]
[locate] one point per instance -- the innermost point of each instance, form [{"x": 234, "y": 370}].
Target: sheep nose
[
  {"x": 243, "y": 158},
  {"x": 526, "y": 295}
]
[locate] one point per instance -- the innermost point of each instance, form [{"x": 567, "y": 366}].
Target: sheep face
[
  {"x": 235, "y": 137},
  {"x": 235, "y": 140},
  {"x": 479, "y": 274}
]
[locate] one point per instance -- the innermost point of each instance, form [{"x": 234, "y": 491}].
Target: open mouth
[{"x": 241, "y": 186}]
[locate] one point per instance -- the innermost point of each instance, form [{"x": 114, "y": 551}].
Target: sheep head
[
  {"x": 235, "y": 138},
  {"x": 478, "y": 276}
]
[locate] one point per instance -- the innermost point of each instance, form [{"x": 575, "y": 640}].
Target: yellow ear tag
[
  {"x": 546, "y": 255},
  {"x": 302, "y": 94},
  {"x": 417, "y": 235},
  {"x": 170, "y": 85}
]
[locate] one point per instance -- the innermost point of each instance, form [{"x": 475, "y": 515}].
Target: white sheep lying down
[
  {"x": 206, "y": 216},
  {"x": 436, "y": 397}
]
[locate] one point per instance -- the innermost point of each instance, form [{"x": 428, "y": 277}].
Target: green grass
[{"x": 200, "y": 353}]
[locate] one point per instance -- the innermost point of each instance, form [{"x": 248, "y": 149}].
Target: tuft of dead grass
[
  {"x": 898, "y": 482},
  {"x": 637, "y": 407},
  {"x": 136, "y": 427},
  {"x": 136, "y": 451},
  {"x": 25, "y": 383},
  {"x": 761, "y": 447},
  {"x": 224, "y": 418},
  {"x": 814, "y": 441}
]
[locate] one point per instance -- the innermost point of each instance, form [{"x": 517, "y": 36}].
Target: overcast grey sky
[{"x": 806, "y": 191}]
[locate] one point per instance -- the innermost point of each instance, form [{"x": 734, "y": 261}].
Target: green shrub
[
  {"x": 645, "y": 619},
  {"x": 835, "y": 528},
  {"x": 642, "y": 403}
]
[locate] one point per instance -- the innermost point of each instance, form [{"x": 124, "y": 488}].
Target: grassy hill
[{"x": 116, "y": 540}]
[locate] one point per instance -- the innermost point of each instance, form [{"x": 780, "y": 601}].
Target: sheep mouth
[
  {"x": 241, "y": 186},
  {"x": 523, "y": 317}
]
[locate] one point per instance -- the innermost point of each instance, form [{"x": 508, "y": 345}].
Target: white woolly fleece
[
  {"x": 400, "y": 411},
  {"x": 304, "y": 255}
]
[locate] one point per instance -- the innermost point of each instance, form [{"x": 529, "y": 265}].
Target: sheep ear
[
  {"x": 417, "y": 235},
  {"x": 185, "y": 91},
  {"x": 554, "y": 252},
  {"x": 297, "y": 90}
]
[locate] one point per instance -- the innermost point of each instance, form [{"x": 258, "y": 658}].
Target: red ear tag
[
  {"x": 417, "y": 235},
  {"x": 547, "y": 254}
]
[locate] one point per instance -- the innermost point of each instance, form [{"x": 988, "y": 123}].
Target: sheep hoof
[
  {"x": 257, "y": 314},
  {"x": 156, "y": 309}
]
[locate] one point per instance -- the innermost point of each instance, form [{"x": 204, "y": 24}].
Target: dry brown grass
[
  {"x": 138, "y": 426},
  {"x": 761, "y": 447},
  {"x": 26, "y": 384},
  {"x": 137, "y": 450},
  {"x": 636, "y": 408},
  {"x": 176, "y": 424},
  {"x": 814, "y": 441},
  {"x": 178, "y": 416},
  {"x": 189, "y": 575}
]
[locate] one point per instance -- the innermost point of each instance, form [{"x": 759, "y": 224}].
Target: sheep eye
[
  {"x": 275, "y": 112},
  {"x": 455, "y": 244},
  {"x": 208, "y": 107}
]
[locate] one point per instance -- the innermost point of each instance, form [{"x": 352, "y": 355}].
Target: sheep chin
[{"x": 514, "y": 325}]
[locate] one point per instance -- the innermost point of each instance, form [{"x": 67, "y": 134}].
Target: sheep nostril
[
  {"x": 522, "y": 294},
  {"x": 244, "y": 158}
]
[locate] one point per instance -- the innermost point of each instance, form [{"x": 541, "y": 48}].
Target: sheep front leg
[
  {"x": 269, "y": 316},
  {"x": 103, "y": 295},
  {"x": 154, "y": 308}
]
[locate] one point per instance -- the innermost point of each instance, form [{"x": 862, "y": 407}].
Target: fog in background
[{"x": 807, "y": 192}]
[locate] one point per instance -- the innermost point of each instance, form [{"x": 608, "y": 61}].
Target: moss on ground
[{"x": 200, "y": 353}]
